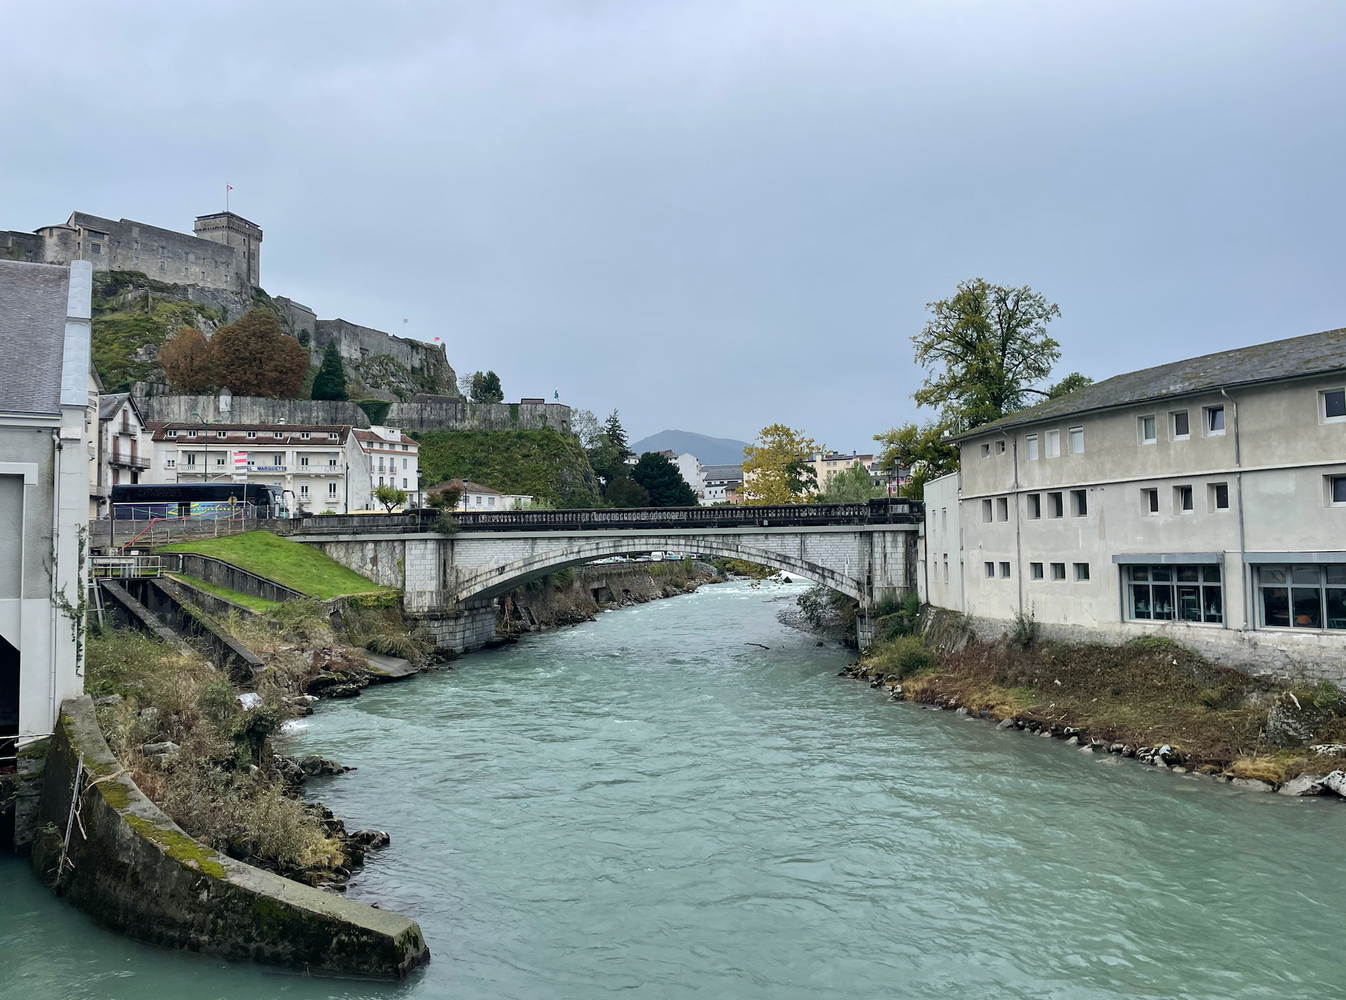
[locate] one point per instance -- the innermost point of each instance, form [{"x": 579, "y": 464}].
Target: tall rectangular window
[
  {"x": 1334, "y": 404},
  {"x": 1338, "y": 485},
  {"x": 1058, "y": 571},
  {"x": 1005, "y": 570},
  {"x": 1035, "y": 504},
  {"x": 1077, "y": 440},
  {"x": 1219, "y": 496},
  {"x": 1174, "y": 593},
  {"x": 986, "y": 450},
  {"x": 1053, "y": 444},
  {"x": 1079, "y": 503},
  {"x": 1035, "y": 570},
  {"x": 1149, "y": 501},
  {"x": 331, "y": 491},
  {"x": 1000, "y": 447},
  {"x": 1182, "y": 499},
  {"x": 1081, "y": 572},
  {"x": 1031, "y": 446},
  {"x": 1181, "y": 431},
  {"x": 1215, "y": 420},
  {"x": 990, "y": 570},
  {"x": 1146, "y": 428},
  {"x": 986, "y": 511},
  {"x": 1055, "y": 505},
  {"x": 1002, "y": 508}
]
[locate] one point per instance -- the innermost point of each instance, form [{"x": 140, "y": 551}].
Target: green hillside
[
  {"x": 545, "y": 464},
  {"x": 133, "y": 316}
]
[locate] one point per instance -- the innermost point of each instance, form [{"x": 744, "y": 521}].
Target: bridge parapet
[{"x": 882, "y": 511}]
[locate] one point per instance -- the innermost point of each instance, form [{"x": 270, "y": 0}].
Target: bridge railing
[{"x": 882, "y": 511}]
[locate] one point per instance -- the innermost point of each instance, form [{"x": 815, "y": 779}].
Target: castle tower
[{"x": 235, "y": 231}]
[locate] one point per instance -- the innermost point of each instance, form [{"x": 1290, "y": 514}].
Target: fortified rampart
[{"x": 436, "y": 414}]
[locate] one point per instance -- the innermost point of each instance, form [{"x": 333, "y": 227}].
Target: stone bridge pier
[{"x": 451, "y": 582}]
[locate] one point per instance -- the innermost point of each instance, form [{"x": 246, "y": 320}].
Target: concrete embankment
[{"x": 121, "y": 860}]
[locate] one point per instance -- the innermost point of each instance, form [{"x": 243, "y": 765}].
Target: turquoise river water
[{"x": 649, "y": 806}]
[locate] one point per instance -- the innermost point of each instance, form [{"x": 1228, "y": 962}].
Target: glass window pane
[
  {"x": 1213, "y": 603},
  {"x": 1188, "y": 574},
  {"x": 1305, "y": 574},
  {"x": 1273, "y": 574},
  {"x": 1339, "y": 489},
  {"x": 1180, "y": 423},
  {"x": 1162, "y": 599},
  {"x": 1140, "y": 601},
  {"x": 1189, "y": 604},
  {"x": 1161, "y": 573},
  {"x": 1307, "y": 607},
  {"x": 1275, "y": 606},
  {"x": 1336, "y": 572},
  {"x": 1140, "y": 572},
  {"x": 1211, "y": 574},
  {"x": 1216, "y": 414},
  {"x": 1334, "y": 403},
  {"x": 1336, "y": 608}
]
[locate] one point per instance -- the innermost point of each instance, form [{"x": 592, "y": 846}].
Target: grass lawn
[
  {"x": 258, "y": 604},
  {"x": 292, "y": 563}
]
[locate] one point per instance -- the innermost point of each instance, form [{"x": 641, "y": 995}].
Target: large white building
[
  {"x": 388, "y": 458},
  {"x": 1204, "y": 500},
  {"x": 45, "y": 314},
  {"x": 122, "y": 450},
  {"x": 321, "y": 468}
]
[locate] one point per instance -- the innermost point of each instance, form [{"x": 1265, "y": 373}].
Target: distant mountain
[{"x": 708, "y": 450}]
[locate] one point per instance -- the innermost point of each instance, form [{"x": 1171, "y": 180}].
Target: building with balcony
[
  {"x": 388, "y": 458},
  {"x": 1203, "y": 500},
  {"x": 320, "y": 468},
  {"x": 722, "y": 484},
  {"x": 122, "y": 449}
]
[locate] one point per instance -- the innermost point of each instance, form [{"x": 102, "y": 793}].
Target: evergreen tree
[
  {"x": 616, "y": 434},
  {"x": 625, "y": 492},
  {"x": 330, "y": 382},
  {"x": 662, "y": 481},
  {"x": 486, "y": 388}
]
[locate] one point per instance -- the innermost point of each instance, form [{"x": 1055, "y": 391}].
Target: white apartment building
[
  {"x": 389, "y": 458},
  {"x": 1204, "y": 500},
  {"x": 122, "y": 449},
  {"x": 720, "y": 481},
  {"x": 477, "y": 497},
  {"x": 320, "y": 468},
  {"x": 692, "y": 473}
]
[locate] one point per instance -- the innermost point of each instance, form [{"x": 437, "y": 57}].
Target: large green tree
[
  {"x": 609, "y": 451},
  {"x": 626, "y": 492},
  {"x": 923, "y": 452},
  {"x": 776, "y": 467},
  {"x": 851, "y": 485},
  {"x": 983, "y": 350},
  {"x": 330, "y": 382},
  {"x": 485, "y": 388},
  {"x": 662, "y": 481}
]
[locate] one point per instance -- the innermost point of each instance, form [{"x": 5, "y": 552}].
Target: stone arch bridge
[{"x": 451, "y": 581}]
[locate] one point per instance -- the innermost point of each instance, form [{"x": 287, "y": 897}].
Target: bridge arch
[{"x": 478, "y": 585}]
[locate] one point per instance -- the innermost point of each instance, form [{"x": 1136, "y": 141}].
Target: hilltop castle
[{"x": 224, "y": 254}]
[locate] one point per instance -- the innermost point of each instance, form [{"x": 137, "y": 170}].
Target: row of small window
[
  {"x": 997, "y": 509},
  {"x": 1036, "y": 570},
  {"x": 392, "y": 481},
  {"x": 1288, "y": 596},
  {"x": 277, "y": 435},
  {"x": 331, "y": 491},
  {"x": 1180, "y": 426},
  {"x": 1050, "y": 444}
]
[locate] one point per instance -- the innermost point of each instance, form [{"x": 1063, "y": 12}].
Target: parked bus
[{"x": 143, "y": 501}]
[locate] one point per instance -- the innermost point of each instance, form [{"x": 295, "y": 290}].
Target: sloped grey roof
[
  {"x": 727, "y": 472},
  {"x": 33, "y": 300},
  {"x": 1315, "y": 353},
  {"x": 109, "y": 404}
]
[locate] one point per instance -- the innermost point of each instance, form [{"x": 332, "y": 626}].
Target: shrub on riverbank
[
  {"x": 1142, "y": 693},
  {"x": 176, "y": 724}
]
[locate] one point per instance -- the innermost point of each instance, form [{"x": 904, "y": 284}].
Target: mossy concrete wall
[{"x": 135, "y": 871}]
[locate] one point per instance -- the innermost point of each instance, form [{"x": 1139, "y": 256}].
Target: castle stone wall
[
  {"x": 450, "y": 415},
  {"x": 382, "y": 361}
]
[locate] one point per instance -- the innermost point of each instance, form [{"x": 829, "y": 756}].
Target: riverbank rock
[
  {"x": 1291, "y": 723},
  {"x": 162, "y": 753},
  {"x": 1336, "y": 783},
  {"x": 1304, "y": 784},
  {"x": 1005, "y": 724},
  {"x": 1330, "y": 749},
  {"x": 1252, "y": 784}
]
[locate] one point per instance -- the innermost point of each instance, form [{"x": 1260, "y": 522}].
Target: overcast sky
[{"x": 716, "y": 215}]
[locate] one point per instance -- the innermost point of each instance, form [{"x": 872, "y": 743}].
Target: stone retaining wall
[
  {"x": 135, "y": 871},
  {"x": 226, "y": 574}
]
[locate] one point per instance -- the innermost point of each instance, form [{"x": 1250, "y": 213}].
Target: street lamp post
[{"x": 205, "y": 470}]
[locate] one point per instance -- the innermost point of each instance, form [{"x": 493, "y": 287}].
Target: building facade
[
  {"x": 45, "y": 315},
  {"x": 320, "y": 467},
  {"x": 225, "y": 253},
  {"x": 1204, "y": 500},
  {"x": 720, "y": 481},
  {"x": 388, "y": 458},
  {"x": 122, "y": 450}
]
